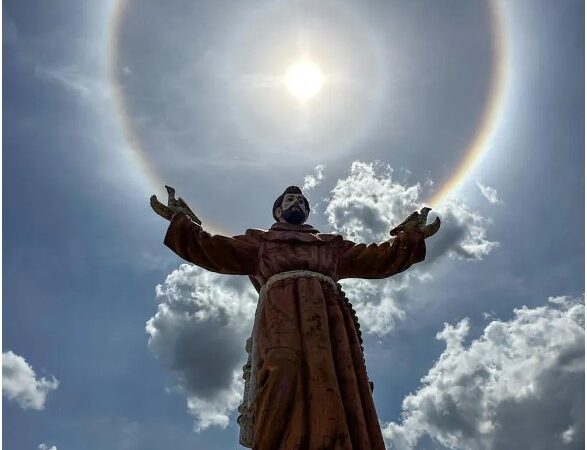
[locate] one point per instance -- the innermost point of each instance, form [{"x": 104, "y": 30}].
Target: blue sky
[{"x": 406, "y": 88}]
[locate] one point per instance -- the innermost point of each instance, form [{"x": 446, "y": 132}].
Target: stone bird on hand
[
  {"x": 417, "y": 221},
  {"x": 174, "y": 206}
]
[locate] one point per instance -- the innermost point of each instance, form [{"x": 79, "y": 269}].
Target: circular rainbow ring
[{"x": 476, "y": 148}]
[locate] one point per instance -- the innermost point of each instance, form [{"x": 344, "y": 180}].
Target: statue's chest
[{"x": 281, "y": 256}]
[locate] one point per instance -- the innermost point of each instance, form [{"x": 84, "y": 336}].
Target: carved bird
[
  {"x": 173, "y": 207},
  {"x": 417, "y": 220}
]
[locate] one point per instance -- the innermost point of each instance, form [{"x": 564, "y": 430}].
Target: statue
[{"x": 306, "y": 385}]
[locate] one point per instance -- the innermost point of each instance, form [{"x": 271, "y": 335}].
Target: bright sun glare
[{"x": 303, "y": 80}]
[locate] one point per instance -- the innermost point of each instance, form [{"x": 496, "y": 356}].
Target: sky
[{"x": 110, "y": 341}]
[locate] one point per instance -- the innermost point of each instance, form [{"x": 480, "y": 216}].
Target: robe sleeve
[
  {"x": 381, "y": 260},
  {"x": 228, "y": 255}
]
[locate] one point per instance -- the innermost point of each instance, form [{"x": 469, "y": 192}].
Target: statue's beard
[{"x": 294, "y": 216}]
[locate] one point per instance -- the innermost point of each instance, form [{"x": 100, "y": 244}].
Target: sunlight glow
[{"x": 303, "y": 80}]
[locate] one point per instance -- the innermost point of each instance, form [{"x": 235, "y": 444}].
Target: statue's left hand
[
  {"x": 174, "y": 206},
  {"x": 417, "y": 222}
]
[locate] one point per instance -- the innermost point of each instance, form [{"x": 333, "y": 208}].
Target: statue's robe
[{"x": 313, "y": 392}]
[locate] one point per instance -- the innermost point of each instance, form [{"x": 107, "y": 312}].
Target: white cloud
[
  {"x": 216, "y": 410},
  {"x": 44, "y": 446},
  {"x": 365, "y": 206},
  {"x": 462, "y": 234},
  {"x": 313, "y": 180},
  {"x": 489, "y": 193},
  {"x": 21, "y": 385},
  {"x": 520, "y": 385},
  {"x": 369, "y": 202},
  {"x": 199, "y": 332},
  {"x": 376, "y": 303}
]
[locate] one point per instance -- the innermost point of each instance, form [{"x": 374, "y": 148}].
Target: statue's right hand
[
  {"x": 417, "y": 221},
  {"x": 174, "y": 206}
]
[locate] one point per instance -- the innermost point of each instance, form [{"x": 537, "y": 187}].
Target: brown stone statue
[{"x": 306, "y": 385}]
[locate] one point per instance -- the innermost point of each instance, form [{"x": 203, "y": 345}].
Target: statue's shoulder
[
  {"x": 329, "y": 237},
  {"x": 254, "y": 233}
]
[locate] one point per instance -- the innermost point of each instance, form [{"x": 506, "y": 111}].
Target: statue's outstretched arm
[
  {"x": 185, "y": 236},
  {"x": 390, "y": 257}
]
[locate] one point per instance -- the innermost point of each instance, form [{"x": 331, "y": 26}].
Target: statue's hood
[
  {"x": 285, "y": 232},
  {"x": 281, "y": 231},
  {"x": 284, "y": 226}
]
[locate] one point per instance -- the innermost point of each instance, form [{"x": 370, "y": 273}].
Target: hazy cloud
[
  {"x": 199, "y": 332},
  {"x": 21, "y": 384},
  {"x": 489, "y": 193},
  {"x": 81, "y": 83},
  {"x": 519, "y": 385}
]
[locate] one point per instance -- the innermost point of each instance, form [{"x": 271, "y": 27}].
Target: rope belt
[
  {"x": 291, "y": 274},
  {"x": 245, "y": 419}
]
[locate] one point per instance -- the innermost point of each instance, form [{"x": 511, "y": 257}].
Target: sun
[{"x": 303, "y": 80}]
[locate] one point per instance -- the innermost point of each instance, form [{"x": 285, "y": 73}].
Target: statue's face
[{"x": 293, "y": 209}]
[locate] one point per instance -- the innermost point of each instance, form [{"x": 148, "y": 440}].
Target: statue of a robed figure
[{"x": 306, "y": 385}]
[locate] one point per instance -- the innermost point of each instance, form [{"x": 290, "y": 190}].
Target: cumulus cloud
[
  {"x": 519, "y": 385},
  {"x": 199, "y": 332},
  {"x": 21, "y": 384},
  {"x": 366, "y": 205},
  {"x": 377, "y": 303},
  {"x": 463, "y": 234},
  {"x": 369, "y": 202},
  {"x": 489, "y": 193},
  {"x": 314, "y": 179}
]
